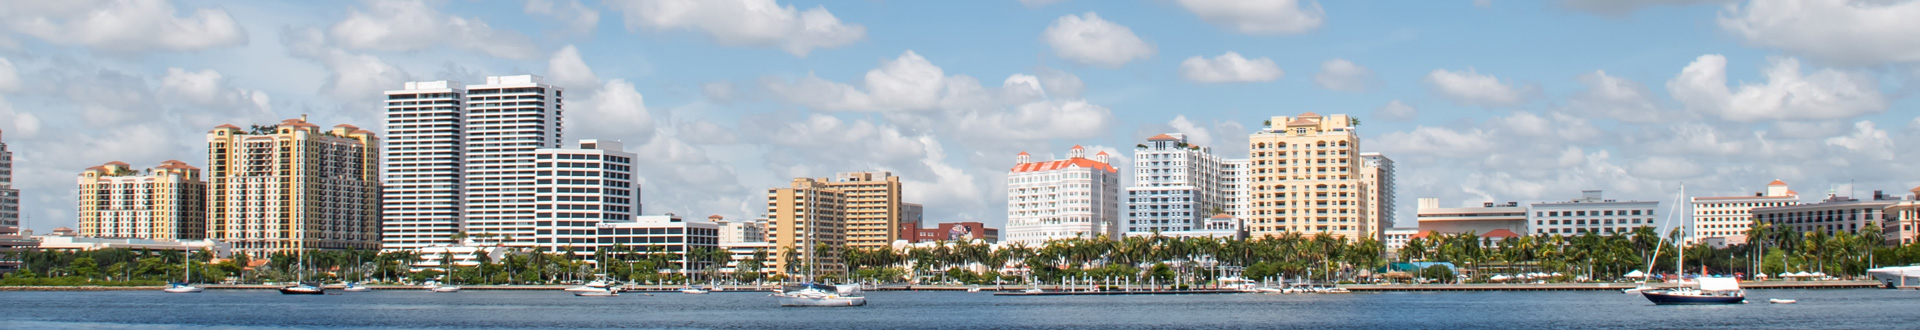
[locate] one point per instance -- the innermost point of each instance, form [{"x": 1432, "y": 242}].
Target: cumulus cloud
[
  {"x": 1342, "y": 75},
  {"x": 1866, "y": 140},
  {"x": 1624, "y": 7},
  {"x": 1229, "y": 68},
  {"x": 1857, "y": 32},
  {"x": 9, "y": 76},
  {"x": 1616, "y": 98},
  {"x": 702, "y": 132},
  {"x": 1787, "y": 93},
  {"x": 1472, "y": 88},
  {"x": 1196, "y": 134},
  {"x": 123, "y": 26},
  {"x": 1396, "y": 111},
  {"x": 1430, "y": 140},
  {"x": 908, "y": 82},
  {"x": 1089, "y": 40},
  {"x": 1259, "y": 16},
  {"x": 1060, "y": 83},
  {"x": 1665, "y": 168},
  {"x": 566, "y": 68},
  {"x": 411, "y": 25},
  {"x": 758, "y": 23},
  {"x": 351, "y": 76},
  {"x": 577, "y": 16},
  {"x": 617, "y": 109}
]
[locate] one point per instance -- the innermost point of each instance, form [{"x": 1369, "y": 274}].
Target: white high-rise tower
[
  {"x": 508, "y": 118},
  {"x": 425, "y": 160},
  {"x": 1178, "y": 187}
]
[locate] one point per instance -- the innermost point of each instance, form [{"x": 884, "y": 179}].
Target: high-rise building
[
  {"x": 873, "y": 208},
  {"x": 166, "y": 202},
  {"x": 1376, "y": 176},
  {"x": 1725, "y": 219},
  {"x": 575, "y": 191},
  {"x": 808, "y": 211},
  {"x": 1593, "y": 213},
  {"x": 425, "y": 164},
  {"x": 1177, "y": 186},
  {"x": 9, "y": 197},
  {"x": 1239, "y": 197},
  {"x": 1060, "y": 199},
  {"x": 508, "y": 119},
  {"x": 293, "y": 186},
  {"x": 1304, "y": 178}
]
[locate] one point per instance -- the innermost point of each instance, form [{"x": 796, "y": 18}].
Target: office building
[
  {"x": 808, "y": 212},
  {"x": 1304, "y": 178},
  {"x": 1593, "y": 213},
  {"x": 1376, "y": 178},
  {"x": 1725, "y": 219},
  {"x": 166, "y": 202},
  {"x": 293, "y": 186},
  {"x": 508, "y": 119},
  {"x": 666, "y": 233},
  {"x": 9, "y": 197},
  {"x": 575, "y": 190},
  {"x": 422, "y": 203},
  {"x": 1177, "y": 187},
  {"x": 1486, "y": 219},
  {"x": 1061, "y": 199},
  {"x": 740, "y": 231}
]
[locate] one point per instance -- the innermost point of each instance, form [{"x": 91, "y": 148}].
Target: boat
[
  {"x": 819, "y": 295},
  {"x": 184, "y": 285},
  {"x": 446, "y": 289},
  {"x": 692, "y": 290},
  {"x": 1033, "y": 291},
  {"x": 1896, "y": 276},
  {"x": 597, "y": 293},
  {"x": 1335, "y": 289},
  {"x": 1704, "y": 290},
  {"x": 304, "y": 288},
  {"x": 355, "y": 287},
  {"x": 1781, "y": 301}
]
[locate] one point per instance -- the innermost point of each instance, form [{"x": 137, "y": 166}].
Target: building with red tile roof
[
  {"x": 1073, "y": 197},
  {"x": 171, "y": 204}
]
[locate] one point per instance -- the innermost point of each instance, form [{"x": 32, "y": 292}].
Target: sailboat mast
[{"x": 1679, "y": 247}]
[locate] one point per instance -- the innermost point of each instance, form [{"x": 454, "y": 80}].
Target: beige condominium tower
[
  {"x": 293, "y": 186},
  {"x": 872, "y": 207},
  {"x": 1303, "y": 178},
  {"x": 166, "y": 202},
  {"x": 809, "y": 207}
]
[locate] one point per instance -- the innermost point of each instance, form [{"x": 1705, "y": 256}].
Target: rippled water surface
[{"x": 1841, "y": 309}]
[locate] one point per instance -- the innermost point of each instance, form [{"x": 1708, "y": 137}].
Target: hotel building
[
  {"x": 1177, "y": 186},
  {"x": 740, "y": 231},
  {"x": 1903, "y": 220},
  {"x": 1830, "y": 216},
  {"x": 1376, "y": 177},
  {"x": 166, "y": 202},
  {"x": 872, "y": 206},
  {"x": 425, "y": 163},
  {"x": 1061, "y": 199},
  {"x": 293, "y": 186},
  {"x": 1593, "y": 213},
  {"x": 1725, "y": 220},
  {"x": 1304, "y": 178},
  {"x": 808, "y": 209},
  {"x": 1489, "y": 218}
]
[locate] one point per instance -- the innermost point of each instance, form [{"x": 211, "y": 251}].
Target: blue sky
[{"x": 1477, "y": 100}]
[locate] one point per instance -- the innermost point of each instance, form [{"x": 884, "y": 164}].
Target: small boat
[
  {"x": 1781, "y": 301},
  {"x": 355, "y": 287},
  {"x": 1269, "y": 290},
  {"x": 692, "y": 290},
  {"x": 1033, "y": 291},
  {"x": 304, "y": 288},
  {"x": 821, "y": 295},
  {"x": 1710, "y": 291},
  {"x": 1336, "y": 290},
  {"x": 973, "y": 289},
  {"x": 599, "y": 293},
  {"x": 181, "y": 288},
  {"x": 445, "y": 289}
]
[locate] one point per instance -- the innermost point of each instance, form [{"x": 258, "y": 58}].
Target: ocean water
[{"x": 221, "y": 309}]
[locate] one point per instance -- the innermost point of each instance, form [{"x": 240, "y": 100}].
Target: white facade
[
  {"x": 508, "y": 119},
  {"x": 1073, "y": 197},
  {"x": 574, "y": 192},
  {"x": 1729, "y": 217},
  {"x": 1177, "y": 186},
  {"x": 424, "y": 192},
  {"x": 1376, "y": 173},
  {"x": 83, "y": 243},
  {"x": 1395, "y": 239},
  {"x": 1592, "y": 213},
  {"x": 666, "y": 233},
  {"x": 9, "y": 197},
  {"x": 741, "y": 231},
  {"x": 1486, "y": 219}
]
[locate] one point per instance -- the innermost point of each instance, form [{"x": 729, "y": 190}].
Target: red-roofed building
[
  {"x": 172, "y": 204},
  {"x": 1059, "y": 199}
]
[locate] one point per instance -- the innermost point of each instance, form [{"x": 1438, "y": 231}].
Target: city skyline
[{"x": 1627, "y": 98}]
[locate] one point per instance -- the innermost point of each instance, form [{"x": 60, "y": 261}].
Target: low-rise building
[
  {"x": 1724, "y": 220},
  {"x": 956, "y": 232},
  {"x": 1479, "y": 220},
  {"x": 1903, "y": 220},
  {"x": 1830, "y": 216},
  {"x": 1396, "y": 238},
  {"x": 658, "y": 232},
  {"x": 1591, "y": 213},
  {"x": 57, "y": 242}
]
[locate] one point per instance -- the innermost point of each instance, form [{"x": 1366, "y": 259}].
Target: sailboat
[
  {"x": 1706, "y": 290},
  {"x": 304, "y": 287},
  {"x": 184, "y": 286},
  {"x": 815, "y": 294}
]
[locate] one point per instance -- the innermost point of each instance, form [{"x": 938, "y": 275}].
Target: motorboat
[
  {"x": 1781, "y": 301},
  {"x": 1642, "y": 286},
  {"x": 1335, "y": 289},
  {"x": 692, "y": 290},
  {"x": 1709, "y": 291},
  {"x": 973, "y": 289},
  {"x": 1269, "y": 290},
  {"x": 597, "y": 293},
  {"x": 821, "y": 295},
  {"x": 304, "y": 288},
  {"x": 1033, "y": 291},
  {"x": 445, "y": 289},
  {"x": 1896, "y": 276},
  {"x": 181, "y": 288},
  {"x": 355, "y": 287}
]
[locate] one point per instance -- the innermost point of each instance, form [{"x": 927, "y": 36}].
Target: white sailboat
[
  {"x": 815, "y": 294},
  {"x": 185, "y": 285},
  {"x": 1705, "y": 290}
]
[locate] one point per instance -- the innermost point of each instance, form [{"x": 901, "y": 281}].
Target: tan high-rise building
[
  {"x": 808, "y": 207},
  {"x": 1303, "y": 178},
  {"x": 293, "y": 186},
  {"x": 167, "y": 202},
  {"x": 1376, "y": 179},
  {"x": 873, "y": 208}
]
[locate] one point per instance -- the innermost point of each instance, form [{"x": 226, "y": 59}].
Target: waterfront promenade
[{"x": 1050, "y": 288}]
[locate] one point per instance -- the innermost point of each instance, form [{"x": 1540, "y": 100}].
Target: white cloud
[
  {"x": 411, "y": 25},
  {"x": 1859, "y": 32},
  {"x": 719, "y": 92},
  {"x": 123, "y": 26},
  {"x": 1074, "y": 119},
  {"x": 1342, "y": 75},
  {"x": 617, "y": 109},
  {"x": 1787, "y": 94},
  {"x": 1229, "y": 68},
  {"x": 1089, "y": 40},
  {"x": 1396, "y": 111},
  {"x": 576, "y": 15},
  {"x": 213, "y": 101},
  {"x": 1060, "y": 83},
  {"x": 1022, "y": 88},
  {"x": 1665, "y": 168},
  {"x": 1038, "y": 3},
  {"x": 566, "y": 68},
  {"x": 705, "y": 133},
  {"x": 1866, "y": 140},
  {"x": 1624, "y": 7},
  {"x": 1196, "y": 134},
  {"x": 1427, "y": 140},
  {"x": 828, "y": 139},
  {"x": 908, "y": 82},
  {"x": 352, "y": 76},
  {"x": 759, "y": 23},
  {"x": 9, "y": 76},
  {"x": 1473, "y": 88},
  {"x": 1259, "y": 16},
  {"x": 1616, "y": 98},
  {"x": 951, "y": 186}
]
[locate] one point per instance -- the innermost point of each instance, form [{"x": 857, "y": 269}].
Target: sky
[{"x": 1476, "y": 101}]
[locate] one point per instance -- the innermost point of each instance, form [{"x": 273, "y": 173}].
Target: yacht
[
  {"x": 692, "y": 290},
  {"x": 304, "y": 288},
  {"x": 596, "y": 285},
  {"x": 355, "y": 287},
  {"x": 821, "y": 295},
  {"x": 1897, "y": 276},
  {"x": 596, "y": 293},
  {"x": 1710, "y": 291}
]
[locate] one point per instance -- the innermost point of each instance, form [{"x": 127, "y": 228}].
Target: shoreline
[{"x": 1354, "y": 287}]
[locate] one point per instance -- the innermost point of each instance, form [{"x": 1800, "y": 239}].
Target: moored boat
[
  {"x": 1896, "y": 276},
  {"x": 304, "y": 288},
  {"x": 1781, "y": 301},
  {"x": 820, "y": 295},
  {"x": 181, "y": 288},
  {"x": 597, "y": 293},
  {"x": 1710, "y": 291},
  {"x": 355, "y": 287}
]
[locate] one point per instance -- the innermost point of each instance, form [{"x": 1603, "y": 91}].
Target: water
[{"x": 1843, "y": 309}]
